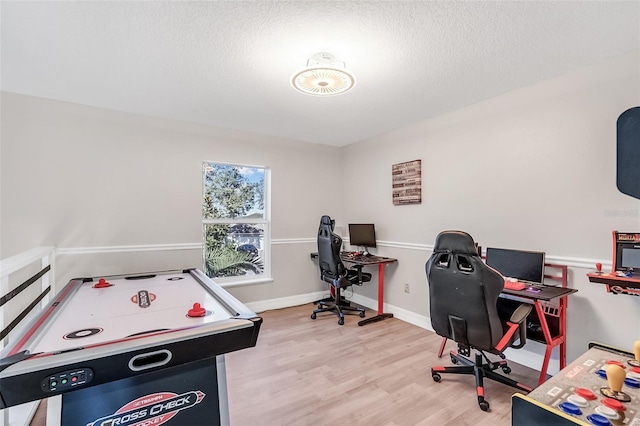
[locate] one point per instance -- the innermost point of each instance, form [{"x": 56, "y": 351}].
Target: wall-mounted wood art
[{"x": 407, "y": 182}]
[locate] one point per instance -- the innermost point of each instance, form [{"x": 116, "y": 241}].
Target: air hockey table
[{"x": 143, "y": 349}]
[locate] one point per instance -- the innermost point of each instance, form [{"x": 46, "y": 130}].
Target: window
[{"x": 235, "y": 222}]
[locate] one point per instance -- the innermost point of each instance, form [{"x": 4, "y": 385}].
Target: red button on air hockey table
[{"x": 110, "y": 332}]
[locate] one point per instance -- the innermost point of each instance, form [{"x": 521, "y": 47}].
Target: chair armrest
[
  {"x": 516, "y": 323},
  {"x": 519, "y": 317},
  {"x": 520, "y": 314},
  {"x": 359, "y": 269},
  {"x": 341, "y": 282}
]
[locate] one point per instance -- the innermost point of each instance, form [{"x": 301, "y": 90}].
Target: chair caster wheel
[
  {"x": 506, "y": 370},
  {"x": 313, "y": 315},
  {"x": 341, "y": 321},
  {"x": 361, "y": 314},
  {"x": 484, "y": 405},
  {"x": 436, "y": 377},
  {"x": 454, "y": 360}
]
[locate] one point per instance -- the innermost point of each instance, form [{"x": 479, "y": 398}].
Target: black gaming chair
[
  {"x": 333, "y": 271},
  {"x": 463, "y": 293}
]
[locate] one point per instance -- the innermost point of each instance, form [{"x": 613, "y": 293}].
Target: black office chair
[
  {"x": 333, "y": 271},
  {"x": 463, "y": 294}
]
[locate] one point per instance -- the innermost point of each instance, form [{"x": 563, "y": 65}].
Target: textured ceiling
[{"x": 228, "y": 63}]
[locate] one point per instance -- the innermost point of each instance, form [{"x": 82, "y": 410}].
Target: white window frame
[{"x": 240, "y": 280}]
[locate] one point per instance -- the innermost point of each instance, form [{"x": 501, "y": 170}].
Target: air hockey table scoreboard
[{"x": 141, "y": 349}]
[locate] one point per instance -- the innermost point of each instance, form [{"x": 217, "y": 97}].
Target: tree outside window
[{"x": 235, "y": 221}]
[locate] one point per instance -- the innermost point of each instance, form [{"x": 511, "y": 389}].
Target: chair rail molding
[{"x": 574, "y": 262}]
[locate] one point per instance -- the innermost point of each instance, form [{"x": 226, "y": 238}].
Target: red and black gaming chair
[{"x": 463, "y": 293}]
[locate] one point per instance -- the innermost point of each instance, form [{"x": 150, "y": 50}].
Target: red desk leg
[
  {"x": 381, "y": 315},
  {"x": 380, "y": 288},
  {"x": 552, "y": 342}
]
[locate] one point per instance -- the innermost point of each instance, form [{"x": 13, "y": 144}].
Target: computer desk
[
  {"x": 540, "y": 300},
  {"x": 370, "y": 261},
  {"x": 547, "y": 294}
]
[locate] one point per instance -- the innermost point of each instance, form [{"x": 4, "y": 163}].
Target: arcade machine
[
  {"x": 600, "y": 388},
  {"x": 624, "y": 277}
]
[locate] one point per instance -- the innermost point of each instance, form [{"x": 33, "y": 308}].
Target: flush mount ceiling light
[{"x": 324, "y": 76}]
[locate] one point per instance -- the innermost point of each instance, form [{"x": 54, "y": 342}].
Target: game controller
[{"x": 601, "y": 388}]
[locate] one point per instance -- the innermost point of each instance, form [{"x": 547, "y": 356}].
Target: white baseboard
[
  {"x": 285, "y": 302},
  {"x": 402, "y": 314},
  {"x": 54, "y": 410},
  {"x": 19, "y": 415},
  {"x": 530, "y": 356}
]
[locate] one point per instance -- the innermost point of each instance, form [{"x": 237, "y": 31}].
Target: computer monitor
[
  {"x": 630, "y": 258},
  {"x": 626, "y": 252},
  {"x": 362, "y": 234},
  {"x": 519, "y": 264}
]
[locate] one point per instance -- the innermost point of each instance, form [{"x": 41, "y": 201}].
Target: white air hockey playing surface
[
  {"x": 97, "y": 315},
  {"x": 103, "y": 329}
]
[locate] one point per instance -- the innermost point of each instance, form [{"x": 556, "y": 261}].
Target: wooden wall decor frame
[{"x": 407, "y": 183}]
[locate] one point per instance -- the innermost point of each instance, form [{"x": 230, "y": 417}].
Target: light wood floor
[
  {"x": 306, "y": 372},
  {"x": 315, "y": 372}
]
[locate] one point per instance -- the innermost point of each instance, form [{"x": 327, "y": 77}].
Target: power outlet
[{"x": 406, "y": 288}]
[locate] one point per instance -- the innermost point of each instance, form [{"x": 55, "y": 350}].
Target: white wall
[
  {"x": 531, "y": 169},
  {"x": 77, "y": 177}
]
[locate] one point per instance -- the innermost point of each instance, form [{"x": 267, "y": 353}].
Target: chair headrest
[
  {"x": 455, "y": 241},
  {"x": 326, "y": 220}
]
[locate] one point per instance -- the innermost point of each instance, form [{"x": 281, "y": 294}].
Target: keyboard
[
  {"x": 360, "y": 258},
  {"x": 514, "y": 285},
  {"x": 354, "y": 255}
]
